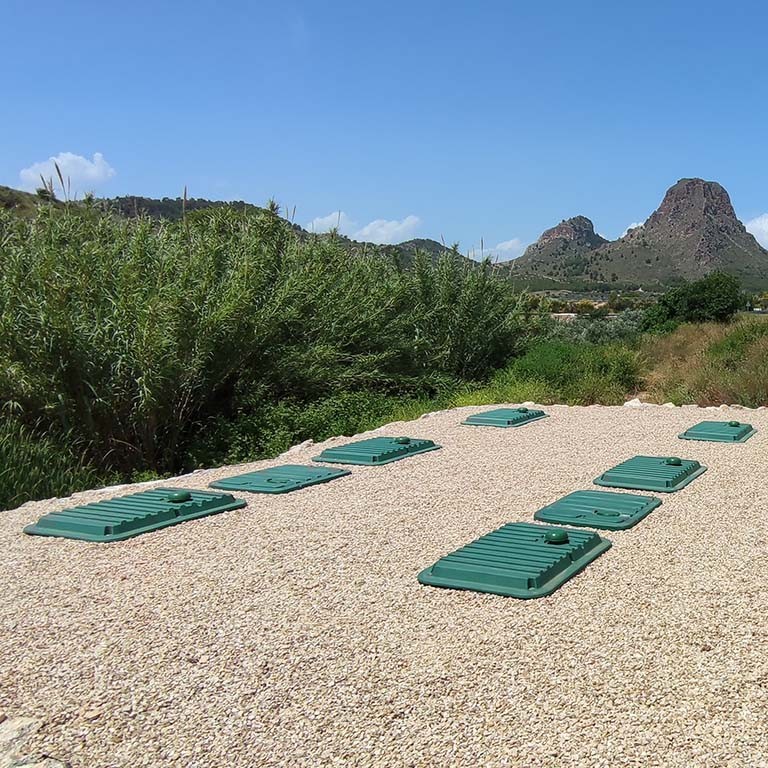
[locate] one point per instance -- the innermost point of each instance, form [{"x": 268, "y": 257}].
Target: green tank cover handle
[
  {"x": 180, "y": 497},
  {"x": 556, "y": 537},
  {"x": 522, "y": 410},
  {"x": 734, "y": 424},
  {"x": 674, "y": 461},
  {"x": 403, "y": 440}
]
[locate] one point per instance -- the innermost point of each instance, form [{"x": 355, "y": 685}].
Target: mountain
[
  {"x": 15, "y": 200},
  {"x": 693, "y": 232},
  {"x": 562, "y": 251}
]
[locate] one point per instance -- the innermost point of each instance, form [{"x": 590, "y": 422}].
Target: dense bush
[
  {"x": 35, "y": 465},
  {"x": 132, "y": 337},
  {"x": 710, "y": 364},
  {"x": 575, "y": 373},
  {"x": 627, "y": 327},
  {"x": 715, "y": 298}
]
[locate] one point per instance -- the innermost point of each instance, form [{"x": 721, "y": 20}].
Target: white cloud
[
  {"x": 759, "y": 228},
  {"x": 338, "y": 220},
  {"x": 388, "y": 231},
  {"x": 83, "y": 174},
  {"x": 376, "y": 231},
  {"x": 504, "y": 251},
  {"x": 633, "y": 225}
]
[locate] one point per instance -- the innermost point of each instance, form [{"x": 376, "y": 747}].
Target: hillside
[
  {"x": 172, "y": 209},
  {"x": 563, "y": 251},
  {"x": 23, "y": 203},
  {"x": 694, "y": 231}
]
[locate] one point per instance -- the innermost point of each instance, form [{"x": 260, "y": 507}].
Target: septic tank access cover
[
  {"x": 376, "y": 450},
  {"x": 128, "y": 516},
  {"x": 505, "y": 417},
  {"x": 517, "y": 560},
  {"x": 719, "y": 432},
  {"x": 652, "y": 473},
  {"x": 605, "y": 510},
  {"x": 282, "y": 479}
]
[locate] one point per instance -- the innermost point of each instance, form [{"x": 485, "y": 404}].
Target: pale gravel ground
[{"x": 294, "y": 632}]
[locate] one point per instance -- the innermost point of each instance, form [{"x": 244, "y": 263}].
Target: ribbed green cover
[
  {"x": 516, "y": 560},
  {"x": 376, "y": 450},
  {"x": 505, "y": 417},
  {"x": 652, "y": 473},
  {"x": 127, "y": 516},
  {"x": 719, "y": 432},
  {"x": 282, "y": 479},
  {"x": 604, "y": 510}
]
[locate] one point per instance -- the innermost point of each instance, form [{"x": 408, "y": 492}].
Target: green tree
[{"x": 715, "y": 298}]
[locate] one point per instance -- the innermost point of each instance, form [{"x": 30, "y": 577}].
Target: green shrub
[
  {"x": 134, "y": 335},
  {"x": 579, "y": 374},
  {"x": 732, "y": 351},
  {"x": 715, "y": 298},
  {"x": 36, "y": 466},
  {"x": 711, "y": 364},
  {"x": 627, "y": 327},
  {"x": 275, "y": 427}
]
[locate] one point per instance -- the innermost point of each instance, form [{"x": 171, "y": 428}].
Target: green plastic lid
[
  {"x": 719, "y": 432},
  {"x": 598, "y": 509}
]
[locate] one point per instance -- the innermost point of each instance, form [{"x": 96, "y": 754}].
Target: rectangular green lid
[
  {"x": 128, "y": 516},
  {"x": 517, "y": 560},
  {"x": 719, "y": 432},
  {"x": 605, "y": 510},
  {"x": 505, "y": 417},
  {"x": 282, "y": 479},
  {"x": 652, "y": 473},
  {"x": 376, "y": 450}
]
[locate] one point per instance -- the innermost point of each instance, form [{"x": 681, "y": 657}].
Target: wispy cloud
[
  {"x": 503, "y": 251},
  {"x": 84, "y": 175},
  {"x": 633, "y": 225},
  {"x": 338, "y": 220},
  {"x": 759, "y": 228},
  {"x": 376, "y": 231}
]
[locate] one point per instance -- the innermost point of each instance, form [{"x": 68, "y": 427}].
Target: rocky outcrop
[{"x": 562, "y": 249}]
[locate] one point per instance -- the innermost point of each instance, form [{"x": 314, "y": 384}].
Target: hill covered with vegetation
[{"x": 694, "y": 232}]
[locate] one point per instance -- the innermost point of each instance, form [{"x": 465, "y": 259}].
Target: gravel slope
[{"x": 294, "y": 633}]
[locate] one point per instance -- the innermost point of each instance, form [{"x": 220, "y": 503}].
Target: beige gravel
[{"x": 294, "y": 633}]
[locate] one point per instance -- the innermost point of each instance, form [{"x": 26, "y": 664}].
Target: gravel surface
[{"x": 294, "y": 633}]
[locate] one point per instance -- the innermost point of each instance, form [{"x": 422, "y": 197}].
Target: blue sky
[{"x": 459, "y": 121}]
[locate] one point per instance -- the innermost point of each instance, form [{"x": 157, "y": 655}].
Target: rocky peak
[
  {"x": 692, "y": 204},
  {"x": 578, "y": 229}
]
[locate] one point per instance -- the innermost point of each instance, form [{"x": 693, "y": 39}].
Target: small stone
[
  {"x": 634, "y": 403},
  {"x": 299, "y": 447}
]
